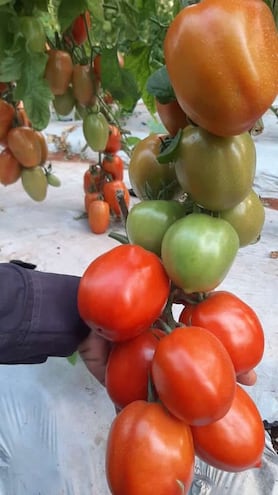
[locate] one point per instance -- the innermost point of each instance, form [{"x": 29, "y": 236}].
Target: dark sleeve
[{"x": 38, "y": 315}]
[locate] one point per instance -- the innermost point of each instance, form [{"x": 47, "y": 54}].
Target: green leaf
[
  {"x": 68, "y": 10},
  {"x": 33, "y": 89},
  {"x": 73, "y": 358},
  {"x": 138, "y": 62},
  {"x": 122, "y": 85},
  {"x": 169, "y": 153},
  {"x": 96, "y": 9},
  {"x": 4, "y": 2},
  {"x": 160, "y": 87}
]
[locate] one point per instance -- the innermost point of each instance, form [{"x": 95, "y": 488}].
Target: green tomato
[
  {"x": 149, "y": 178},
  {"x": 64, "y": 104},
  {"x": 33, "y": 30},
  {"x": 217, "y": 172},
  {"x": 198, "y": 250},
  {"x": 148, "y": 221},
  {"x": 247, "y": 218},
  {"x": 96, "y": 131}
]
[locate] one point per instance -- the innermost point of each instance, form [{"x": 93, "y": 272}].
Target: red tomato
[
  {"x": 172, "y": 116},
  {"x": 99, "y": 216},
  {"x": 93, "y": 178},
  {"x": 234, "y": 323},
  {"x": 78, "y": 29},
  {"x": 25, "y": 146},
  {"x": 110, "y": 192},
  {"x": 222, "y": 60},
  {"x": 114, "y": 140},
  {"x": 89, "y": 197},
  {"x": 10, "y": 169},
  {"x": 128, "y": 367},
  {"x": 58, "y": 71},
  {"x": 97, "y": 67},
  {"x": 235, "y": 442},
  {"x": 123, "y": 291},
  {"x": 193, "y": 375},
  {"x": 114, "y": 166},
  {"x": 83, "y": 84},
  {"x": 7, "y": 114},
  {"x": 149, "y": 452}
]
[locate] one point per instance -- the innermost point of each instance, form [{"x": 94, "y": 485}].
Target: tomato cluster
[
  {"x": 23, "y": 153},
  {"x": 105, "y": 192},
  {"x": 177, "y": 384}
]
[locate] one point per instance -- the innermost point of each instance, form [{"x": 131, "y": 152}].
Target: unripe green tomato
[
  {"x": 64, "y": 104},
  {"x": 96, "y": 131},
  {"x": 217, "y": 172},
  {"x": 247, "y": 218},
  {"x": 198, "y": 251},
  {"x": 148, "y": 221},
  {"x": 34, "y": 183}
]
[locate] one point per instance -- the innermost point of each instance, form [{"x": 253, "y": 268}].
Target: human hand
[{"x": 94, "y": 351}]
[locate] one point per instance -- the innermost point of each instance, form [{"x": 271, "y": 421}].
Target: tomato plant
[
  {"x": 198, "y": 251},
  {"x": 236, "y": 441},
  {"x": 113, "y": 165},
  {"x": 148, "y": 221},
  {"x": 149, "y": 451},
  {"x": 128, "y": 367},
  {"x": 116, "y": 292},
  {"x": 149, "y": 178},
  {"x": 25, "y": 146},
  {"x": 113, "y": 144},
  {"x": 96, "y": 131},
  {"x": 233, "y": 322},
  {"x": 111, "y": 191},
  {"x": 230, "y": 93},
  {"x": 98, "y": 216},
  {"x": 10, "y": 169},
  {"x": 217, "y": 172},
  {"x": 79, "y": 27},
  {"x": 193, "y": 375},
  {"x": 58, "y": 71}
]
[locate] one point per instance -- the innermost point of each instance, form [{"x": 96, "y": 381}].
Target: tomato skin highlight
[
  {"x": 233, "y": 322},
  {"x": 193, "y": 375},
  {"x": 135, "y": 280},
  {"x": 148, "y": 451},
  {"x": 128, "y": 367},
  {"x": 235, "y": 442},
  {"x": 230, "y": 93}
]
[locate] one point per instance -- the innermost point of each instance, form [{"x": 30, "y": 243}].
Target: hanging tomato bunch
[{"x": 176, "y": 381}]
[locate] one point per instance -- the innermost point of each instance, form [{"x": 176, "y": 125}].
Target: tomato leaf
[
  {"x": 73, "y": 358},
  {"x": 122, "y": 85},
  {"x": 33, "y": 89},
  {"x": 159, "y": 85},
  {"x": 168, "y": 154},
  {"x": 138, "y": 62},
  {"x": 96, "y": 9}
]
